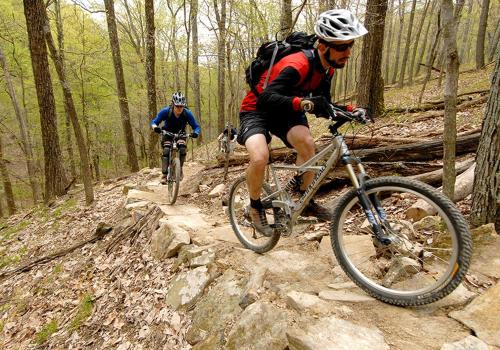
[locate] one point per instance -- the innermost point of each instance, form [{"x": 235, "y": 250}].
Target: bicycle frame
[{"x": 338, "y": 150}]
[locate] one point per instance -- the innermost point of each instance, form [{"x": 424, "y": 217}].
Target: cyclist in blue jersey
[{"x": 175, "y": 119}]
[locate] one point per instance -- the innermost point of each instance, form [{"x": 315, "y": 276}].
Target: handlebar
[
  {"x": 340, "y": 115},
  {"x": 180, "y": 135}
]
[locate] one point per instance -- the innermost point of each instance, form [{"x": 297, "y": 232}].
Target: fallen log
[
  {"x": 463, "y": 187},
  {"x": 418, "y": 151},
  {"x": 436, "y": 177},
  {"x": 463, "y": 101},
  {"x": 414, "y": 152},
  {"x": 440, "y": 113}
]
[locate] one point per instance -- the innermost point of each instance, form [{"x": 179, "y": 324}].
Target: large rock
[
  {"x": 343, "y": 295},
  {"x": 483, "y": 315},
  {"x": 136, "y": 196},
  {"x": 217, "y": 191},
  {"x": 485, "y": 257},
  {"x": 335, "y": 334},
  {"x": 188, "y": 287},
  {"x": 260, "y": 326},
  {"x": 160, "y": 241},
  {"x": 305, "y": 302},
  {"x": 180, "y": 239},
  {"x": 300, "y": 271},
  {"x": 468, "y": 343},
  {"x": 216, "y": 308}
]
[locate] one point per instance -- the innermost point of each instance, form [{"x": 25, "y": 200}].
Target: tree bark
[
  {"x": 481, "y": 34},
  {"x": 70, "y": 109},
  {"x": 120, "y": 84},
  {"x": 196, "y": 68},
  {"x": 221, "y": 70},
  {"x": 153, "y": 155},
  {"x": 425, "y": 39},
  {"x": 466, "y": 34},
  {"x": 411, "y": 70},
  {"x": 450, "y": 96},
  {"x": 486, "y": 194},
  {"x": 371, "y": 87},
  {"x": 23, "y": 128},
  {"x": 407, "y": 46},
  {"x": 400, "y": 35},
  {"x": 7, "y": 185},
  {"x": 55, "y": 178},
  {"x": 389, "y": 21},
  {"x": 286, "y": 18},
  {"x": 494, "y": 43},
  {"x": 430, "y": 60}
]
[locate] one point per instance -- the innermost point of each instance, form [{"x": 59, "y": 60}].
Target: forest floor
[{"x": 103, "y": 296}]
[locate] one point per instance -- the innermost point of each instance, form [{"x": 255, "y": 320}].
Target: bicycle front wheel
[
  {"x": 174, "y": 180},
  {"x": 239, "y": 207},
  {"x": 423, "y": 259}
]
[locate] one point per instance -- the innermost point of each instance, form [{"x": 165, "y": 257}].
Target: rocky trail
[{"x": 175, "y": 277}]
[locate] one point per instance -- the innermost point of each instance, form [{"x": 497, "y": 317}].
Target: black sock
[{"x": 255, "y": 203}]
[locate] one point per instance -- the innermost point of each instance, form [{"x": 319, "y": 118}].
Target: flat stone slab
[
  {"x": 483, "y": 315},
  {"x": 468, "y": 343},
  {"x": 158, "y": 198},
  {"x": 336, "y": 334},
  {"x": 342, "y": 295}
]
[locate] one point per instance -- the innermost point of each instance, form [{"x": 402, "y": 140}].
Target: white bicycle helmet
[
  {"x": 337, "y": 25},
  {"x": 178, "y": 99}
]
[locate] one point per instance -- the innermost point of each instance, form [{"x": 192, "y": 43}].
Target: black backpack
[{"x": 271, "y": 52}]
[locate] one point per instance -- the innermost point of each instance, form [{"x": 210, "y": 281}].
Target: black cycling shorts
[{"x": 256, "y": 122}]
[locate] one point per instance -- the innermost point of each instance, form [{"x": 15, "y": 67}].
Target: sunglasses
[{"x": 340, "y": 47}]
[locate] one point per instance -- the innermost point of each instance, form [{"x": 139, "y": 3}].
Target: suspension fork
[{"x": 367, "y": 202}]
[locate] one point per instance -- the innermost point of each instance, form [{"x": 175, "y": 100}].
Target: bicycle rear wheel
[
  {"x": 426, "y": 258},
  {"x": 239, "y": 206},
  {"x": 174, "y": 180}
]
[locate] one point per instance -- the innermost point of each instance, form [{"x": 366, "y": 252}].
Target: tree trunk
[
  {"x": 466, "y": 33},
  {"x": 411, "y": 70},
  {"x": 450, "y": 96},
  {"x": 400, "y": 35},
  {"x": 196, "y": 68},
  {"x": 426, "y": 37},
  {"x": 120, "y": 84},
  {"x": 55, "y": 178},
  {"x": 494, "y": 43},
  {"x": 286, "y": 18},
  {"x": 389, "y": 21},
  {"x": 153, "y": 155},
  {"x": 7, "y": 185},
  {"x": 430, "y": 61},
  {"x": 371, "y": 87},
  {"x": 70, "y": 109},
  {"x": 23, "y": 128},
  {"x": 485, "y": 206},
  {"x": 221, "y": 72},
  {"x": 407, "y": 46},
  {"x": 481, "y": 34}
]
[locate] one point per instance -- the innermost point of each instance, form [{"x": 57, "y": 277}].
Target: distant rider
[{"x": 175, "y": 118}]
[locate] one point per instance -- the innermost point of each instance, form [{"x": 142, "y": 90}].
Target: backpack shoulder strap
[{"x": 310, "y": 60}]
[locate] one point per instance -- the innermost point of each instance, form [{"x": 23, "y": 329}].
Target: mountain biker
[
  {"x": 279, "y": 109},
  {"x": 175, "y": 118},
  {"x": 232, "y": 132}
]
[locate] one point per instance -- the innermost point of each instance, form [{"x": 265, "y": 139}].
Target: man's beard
[{"x": 334, "y": 64}]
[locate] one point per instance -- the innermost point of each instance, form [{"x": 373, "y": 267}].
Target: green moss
[
  {"x": 84, "y": 311},
  {"x": 47, "y": 330},
  {"x": 8, "y": 260},
  {"x": 9, "y": 232}
]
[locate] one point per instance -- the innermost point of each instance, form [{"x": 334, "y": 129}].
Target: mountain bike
[
  {"x": 390, "y": 253},
  {"x": 174, "y": 166}
]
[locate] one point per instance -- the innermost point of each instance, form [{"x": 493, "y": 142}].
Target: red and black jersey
[{"x": 289, "y": 81}]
